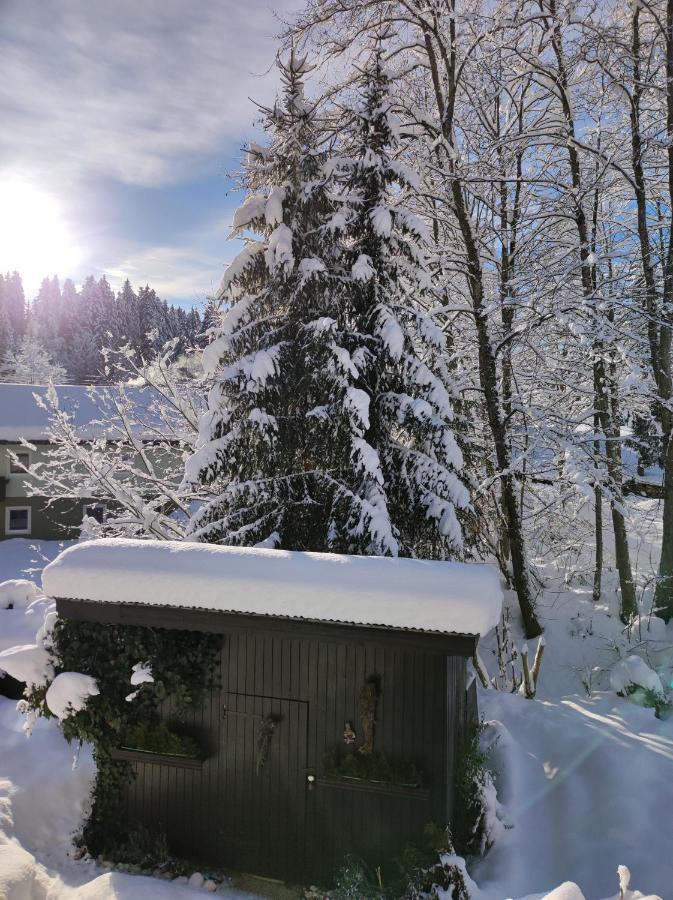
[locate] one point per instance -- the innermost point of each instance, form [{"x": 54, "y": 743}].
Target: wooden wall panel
[{"x": 269, "y": 822}]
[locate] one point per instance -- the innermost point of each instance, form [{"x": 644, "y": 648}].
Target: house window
[
  {"x": 95, "y": 511},
  {"x": 17, "y": 520},
  {"x": 19, "y": 465}
]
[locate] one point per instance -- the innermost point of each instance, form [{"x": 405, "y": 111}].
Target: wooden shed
[{"x": 341, "y": 701}]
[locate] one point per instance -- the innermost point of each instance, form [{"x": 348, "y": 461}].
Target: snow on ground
[
  {"x": 42, "y": 797},
  {"x": 586, "y": 784},
  {"x": 584, "y": 776}
]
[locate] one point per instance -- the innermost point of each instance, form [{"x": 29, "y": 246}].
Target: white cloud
[
  {"x": 189, "y": 272},
  {"x": 175, "y": 273},
  {"x": 143, "y": 91}
]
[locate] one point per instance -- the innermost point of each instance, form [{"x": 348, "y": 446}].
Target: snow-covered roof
[
  {"x": 21, "y": 416},
  {"x": 410, "y": 594}
]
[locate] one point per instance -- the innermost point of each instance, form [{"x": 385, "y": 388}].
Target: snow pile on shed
[{"x": 445, "y": 597}]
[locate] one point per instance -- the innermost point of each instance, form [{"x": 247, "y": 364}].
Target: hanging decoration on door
[
  {"x": 349, "y": 733},
  {"x": 368, "y": 700},
  {"x": 264, "y": 736}
]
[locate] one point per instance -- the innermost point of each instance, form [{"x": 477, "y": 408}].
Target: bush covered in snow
[
  {"x": 632, "y": 677},
  {"x": 476, "y": 823},
  {"x": 17, "y": 593},
  {"x": 431, "y": 871}
]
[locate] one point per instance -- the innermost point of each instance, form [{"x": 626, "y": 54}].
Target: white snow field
[
  {"x": 43, "y": 794},
  {"x": 585, "y": 782},
  {"x": 586, "y": 785}
]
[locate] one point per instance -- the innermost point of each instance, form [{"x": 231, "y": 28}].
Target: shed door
[{"x": 262, "y": 783}]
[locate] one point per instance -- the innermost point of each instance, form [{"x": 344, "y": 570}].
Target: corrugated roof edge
[
  {"x": 274, "y": 616},
  {"x": 165, "y": 616}
]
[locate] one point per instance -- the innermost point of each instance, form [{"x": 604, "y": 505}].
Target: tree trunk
[
  {"x": 445, "y": 94},
  {"x": 663, "y": 597},
  {"x": 489, "y": 384},
  {"x": 607, "y": 413},
  {"x": 602, "y": 396},
  {"x": 598, "y": 521}
]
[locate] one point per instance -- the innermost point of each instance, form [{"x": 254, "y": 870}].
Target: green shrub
[
  {"x": 158, "y": 739},
  {"x": 356, "y": 881},
  {"x": 372, "y": 767},
  {"x": 427, "y": 871},
  {"x": 183, "y": 666},
  {"x": 140, "y": 847},
  {"x": 649, "y": 698},
  {"x": 468, "y": 828}
]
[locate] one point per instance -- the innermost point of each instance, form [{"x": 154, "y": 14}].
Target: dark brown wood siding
[{"x": 272, "y": 820}]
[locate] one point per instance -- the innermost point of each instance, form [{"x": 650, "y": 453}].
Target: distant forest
[{"x": 69, "y": 328}]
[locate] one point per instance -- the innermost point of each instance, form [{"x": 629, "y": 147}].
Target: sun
[{"x": 35, "y": 239}]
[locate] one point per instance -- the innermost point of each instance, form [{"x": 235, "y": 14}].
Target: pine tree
[
  {"x": 6, "y": 331},
  {"x": 31, "y": 364},
  {"x": 15, "y": 304},
  {"x": 268, "y": 427},
  {"x": 86, "y": 360},
  {"x": 107, "y": 325},
  {"x": 129, "y": 321},
  {"x": 407, "y": 455},
  {"x": 211, "y": 317},
  {"x": 192, "y": 328},
  {"x": 149, "y": 311},
  {"x": 316, "y": 381},
  {"x": 46, "y": 313},
  {"x": 69, "y": 305}
]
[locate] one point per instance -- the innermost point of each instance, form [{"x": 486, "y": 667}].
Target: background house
[{"x": 23, "y": 418}]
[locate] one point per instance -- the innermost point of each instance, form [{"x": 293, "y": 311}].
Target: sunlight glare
[{"x": 34, "y": 238}]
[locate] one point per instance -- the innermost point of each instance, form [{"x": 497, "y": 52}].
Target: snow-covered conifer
[
  {"x": 407, "y": 455},
  {"x": 270, "y": 439},
  {"x": 328, "y": 419},
  {"x": 31, "y": 364}
]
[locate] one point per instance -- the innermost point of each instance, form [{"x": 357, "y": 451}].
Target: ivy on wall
[{"x": 184, "y": 666}]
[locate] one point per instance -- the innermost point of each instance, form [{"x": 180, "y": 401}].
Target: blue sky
[{"x": 127, "y": 116}]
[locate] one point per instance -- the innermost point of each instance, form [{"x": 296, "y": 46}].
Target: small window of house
[
  {"x": 19, "y": 465},
  {"x": 17, "y": 520},
  {"x": 95, "y": 511}
]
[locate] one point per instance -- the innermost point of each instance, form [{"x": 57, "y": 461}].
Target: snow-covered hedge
[{"x": 632, "y": 677}]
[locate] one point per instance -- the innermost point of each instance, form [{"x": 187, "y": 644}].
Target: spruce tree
[
  {"x": 7, "y": 338},
  {"x": 326, "y": 419},
  {"x": 69, "y": 304},
  {"x": 149, "y": 307},
  {"x": 15, "y": 303},
  {"x": 410, "y": 459},
  {"x": 270, "y": 436}
]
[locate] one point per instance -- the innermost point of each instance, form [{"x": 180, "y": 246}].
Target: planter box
[
  {"x": 378, "y": 787},
  {"x": 160, "y": 759}
]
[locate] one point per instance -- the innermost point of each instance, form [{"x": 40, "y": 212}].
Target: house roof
[
  {"x": 91, "y": 409},
  {"x": 408, "y": 594}
]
